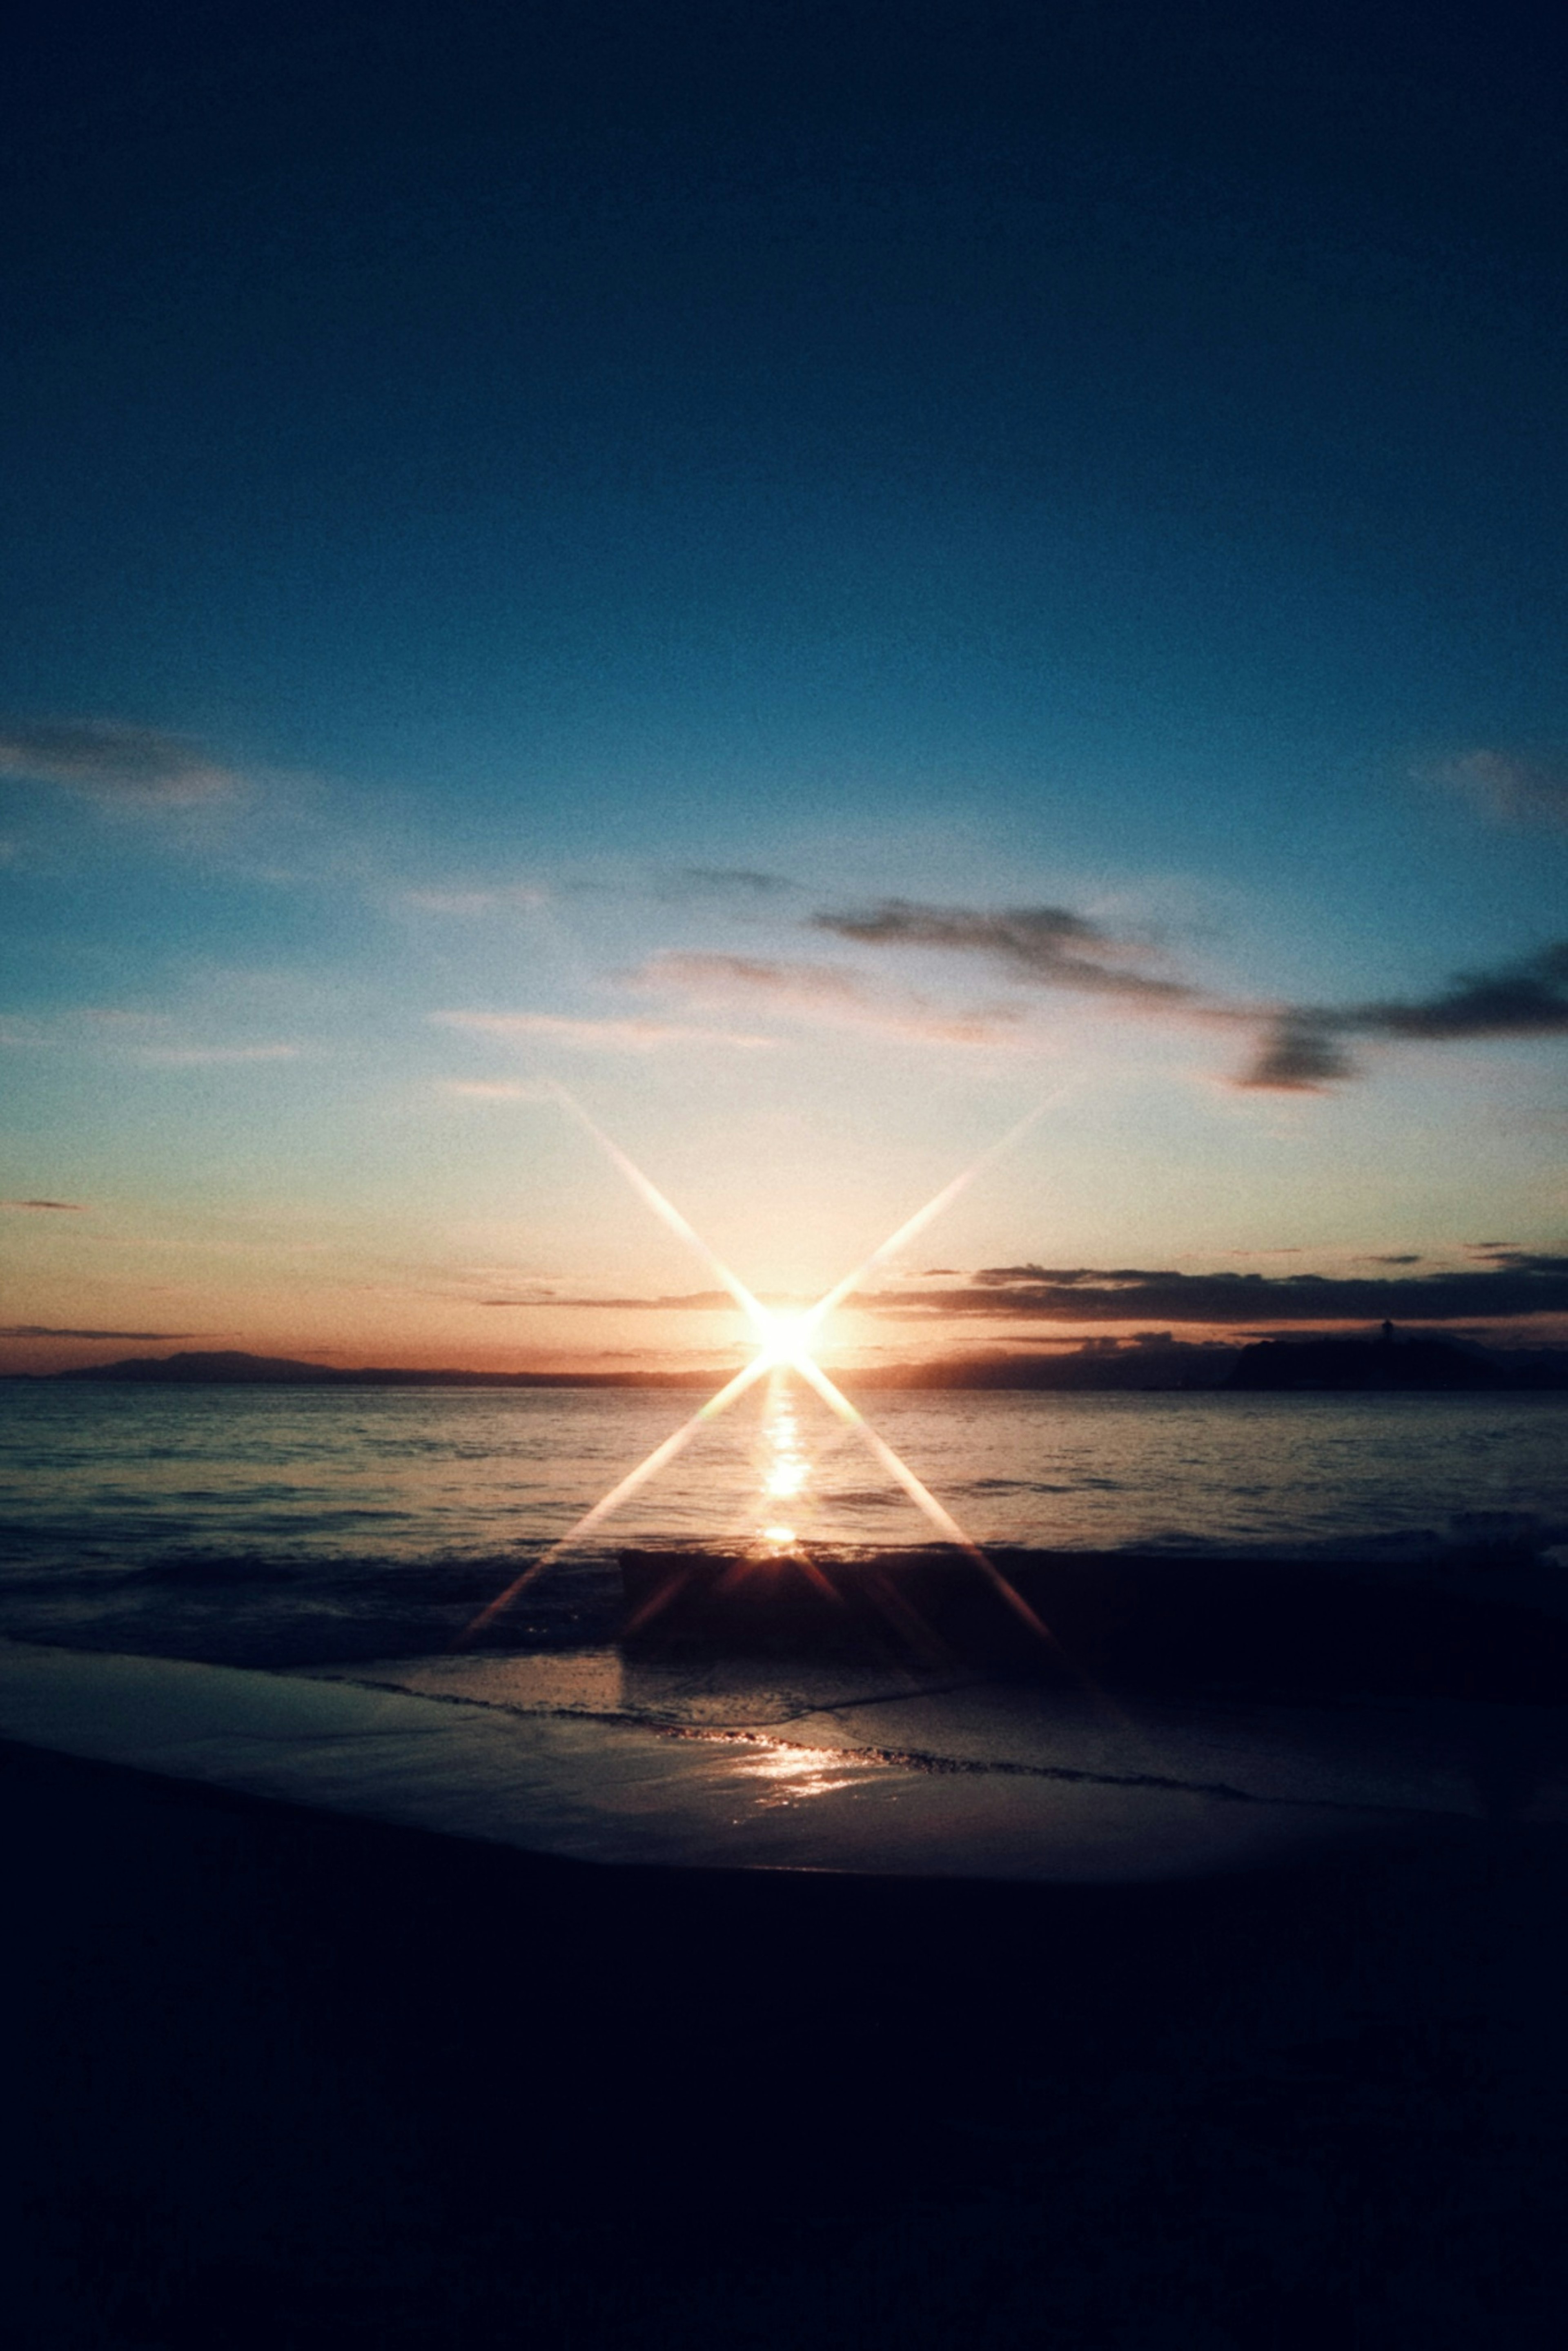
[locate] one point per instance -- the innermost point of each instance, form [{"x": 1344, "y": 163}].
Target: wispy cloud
[
  {"x": 723, "y": 881},
  {"x": 52, "y": 1331},
  {"x": 508, "y": 899},
  {"x": 60, "y": 1208},
  {"x": 491, "y": 1090},
  {"x": 1042, "y": 946},
  {"x": 598, "y": 1036},
  {"x": 145, "y": 1039},
  {"x": 821, "y": 993},
  {"x": 692, "y": 1301},
  {"x": 1507, "y": 787},
  {"x": 131, "y": 766},
  {"x": 193, "y": 1057}
]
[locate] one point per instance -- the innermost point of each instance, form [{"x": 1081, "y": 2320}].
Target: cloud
[
  {"x": 67, "y": 1207},
  {"x": 50, "y": 1331},
  {"x": 1508, "y": 788},
  {"x": 725, "y": 880},
  {"x": 1528, "y": 1283},
  {"x": 145, "y": 1040},
  {"x": 136, "y": 766},
  {"x": 1298, "y": 1054},
  {"x": 820, "y": 992},
  {"x": 193, "y": 1057},
  {"x": 1301, "y": 1049},
  {"x": 491, "y": 1090},
  {"x": 1304, "y": 1049},
  {"x": 694, "y": 1301},
  {"x": 598, "y": 1036},
  {"x": 1046, "y": 946},
  {"x": 511, "y": 899},
  {"x": 1529, "y": 998}
]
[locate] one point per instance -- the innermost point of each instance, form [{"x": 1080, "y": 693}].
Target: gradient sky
[{"x": 819, "y": 576}]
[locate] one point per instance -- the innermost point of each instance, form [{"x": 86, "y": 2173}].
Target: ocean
[{"x": 278, "y": 1526}]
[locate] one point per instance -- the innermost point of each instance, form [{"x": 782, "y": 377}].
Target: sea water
[{"x": 285, "y": 1526}]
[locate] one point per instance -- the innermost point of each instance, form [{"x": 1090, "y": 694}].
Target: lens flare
[{"x": 784, "y": 1346}]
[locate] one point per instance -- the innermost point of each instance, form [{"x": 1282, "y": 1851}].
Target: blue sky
[{"x": 819, "y": 578}]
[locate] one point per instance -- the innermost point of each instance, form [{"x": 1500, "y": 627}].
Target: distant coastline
[{"x": 1389, "y": 1362}]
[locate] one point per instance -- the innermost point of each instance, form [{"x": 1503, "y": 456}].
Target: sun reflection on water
[
  {"x": 785, "y": 1466},
  {"x": 792, "y": 1772}
]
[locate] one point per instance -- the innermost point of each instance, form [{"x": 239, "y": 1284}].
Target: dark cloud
[
  {"x": 1047, "y": 947},
  {"x": 1524, "y": 1285},
  {"x": 49, "y": 1330},
  {"x": 1529, "y": 998},
  {"x": 136, "y": 765},
  {"x": 1300, "y": 1054},
  {"x": 1509, "y": 788},
  {"x": 1304, "y": 1047},
  {"x": 65, "y": 1207}
]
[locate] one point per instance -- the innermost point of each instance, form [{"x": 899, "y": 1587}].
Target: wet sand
[{"x": 281, "y": 2076}]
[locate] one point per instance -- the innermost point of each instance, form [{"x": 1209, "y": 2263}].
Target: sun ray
[
  {"x": 659, "y": 1457},
  {"x": 784, "y": 1343},
  {"x": 667, "y": 1212},
  {"x": 947, "y": 1525},
  {"x": 923, "y": 1217}
]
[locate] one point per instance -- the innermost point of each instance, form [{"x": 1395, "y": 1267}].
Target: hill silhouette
[
  {"x": 1152, "y": 1362},
  {"x": 1392, "y": 1362}
]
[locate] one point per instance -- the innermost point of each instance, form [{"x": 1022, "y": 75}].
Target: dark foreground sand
[{"x": 278, "y": 2078}]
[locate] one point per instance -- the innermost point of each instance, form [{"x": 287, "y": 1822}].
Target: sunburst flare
[{"x": 785, "y": 1341}]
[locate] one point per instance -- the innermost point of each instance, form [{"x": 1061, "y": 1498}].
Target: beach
[
  {"x": 285, "y": 2079},
  {"x": 288, "y": 2072}
]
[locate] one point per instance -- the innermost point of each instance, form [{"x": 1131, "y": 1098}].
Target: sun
[
  {"x": 786, "y": 1339},
  {"x": 784, "y": 1343}
]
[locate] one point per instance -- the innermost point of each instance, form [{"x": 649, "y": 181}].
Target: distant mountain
[
  {"x": 218, "y": 1367},
  {"x": 1154, "y": 1362},
  {"x": 231, "y": 1368}
]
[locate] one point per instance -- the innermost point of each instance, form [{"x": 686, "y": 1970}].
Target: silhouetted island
[
  {"x": 1392, "y": 1361},
  {"x": 1149, "y": 1363},
  {"x": 231, "y": 1367}
]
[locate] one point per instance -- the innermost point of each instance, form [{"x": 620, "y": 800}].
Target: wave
[{"x": 257, "y": 1609}]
